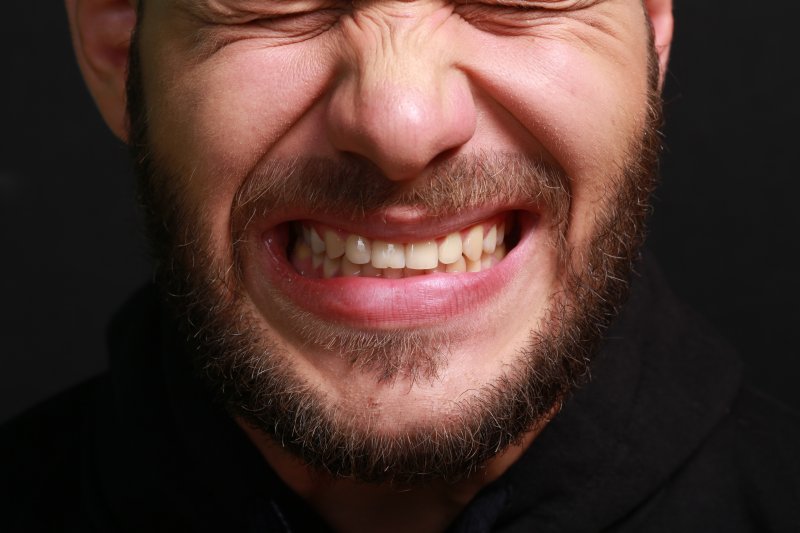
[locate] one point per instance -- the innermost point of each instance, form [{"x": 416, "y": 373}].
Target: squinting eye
[
  {"x": 299, "y": 24},
  {"x": 270, "y": 30},
  {"x": 497, "y": 18}
]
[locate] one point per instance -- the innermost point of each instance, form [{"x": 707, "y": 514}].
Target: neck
[{"x": 352, "y": 506}]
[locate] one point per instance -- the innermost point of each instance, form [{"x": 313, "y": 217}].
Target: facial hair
[{"x": 247, "y": 369}]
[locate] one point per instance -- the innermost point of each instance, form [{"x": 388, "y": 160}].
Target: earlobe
[
  {"x": 101, "y": 33},
  {"x": 660, "y": 13}
]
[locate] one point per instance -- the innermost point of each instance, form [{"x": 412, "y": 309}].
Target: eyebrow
[
  {"x": 228, "y": 9},
  {"x": 530, "y": 3},
  {"x": 236, "y": 7},
  {"x": 205, "y": 8}
]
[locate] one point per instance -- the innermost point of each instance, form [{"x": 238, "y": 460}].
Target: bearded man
[{"x": 398, "y": 284}]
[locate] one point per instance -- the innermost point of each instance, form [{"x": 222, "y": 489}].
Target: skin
[{"x": 561, "y": 80}]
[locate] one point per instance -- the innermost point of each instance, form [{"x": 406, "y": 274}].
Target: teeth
[
  {"x": 459, "y": 266},
  {"x": 317, "y": 244},
  {"x": 317, "y": 259},
  {"x": 334, "y": 245},
  {"x": 490, "y": 240},
  {"x": 349, "y": 268},
  {"x": 302, "y": 252},
  {"x": 301, "y": 257},
  {"x": 450, "y": 249},
  {"x": 422, "y": 255},
  {"x": 473, "y": 244},
  {"x": 330, "y": 267},
  {"x": 441, "y": 267},
  {"x": 475, "y": 249},
  {"x": 358, "y": 250},
  {"x": 499, "y": 252},
  {"x": 473, "y": 266},
  {"x": 388, "y": 255}
]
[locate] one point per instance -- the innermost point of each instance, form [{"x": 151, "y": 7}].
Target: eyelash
[
  {"x": 297, "y": 27},
  {"x": 496, "y": 17},
  {"x": 281, "y": 29},
  {"x": 310, "y": 20},
  {"x": 313, "y": 17}
]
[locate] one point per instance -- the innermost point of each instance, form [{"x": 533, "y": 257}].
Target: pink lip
[{"x": 391, "y": 303}]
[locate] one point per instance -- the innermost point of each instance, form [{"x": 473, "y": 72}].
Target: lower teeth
[{"x": 320, "y": 266}]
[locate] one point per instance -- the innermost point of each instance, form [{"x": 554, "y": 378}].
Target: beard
[{"x": 252, "y": 374}]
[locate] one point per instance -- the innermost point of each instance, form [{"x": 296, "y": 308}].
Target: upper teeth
[{"x": 321, "y": 251}]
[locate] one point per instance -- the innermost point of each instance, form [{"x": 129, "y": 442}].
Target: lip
[{"x": 379, "y": 303}]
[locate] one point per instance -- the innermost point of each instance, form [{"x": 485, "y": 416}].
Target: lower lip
[{"x": 378, "y": 303}]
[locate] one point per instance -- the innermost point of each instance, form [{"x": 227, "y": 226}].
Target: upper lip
[{"x": 404, "y": 224}]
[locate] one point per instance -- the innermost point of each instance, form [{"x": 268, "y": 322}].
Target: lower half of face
[
  {"x": 395, "y": 333},
  {"x": 398, "y": 360}
]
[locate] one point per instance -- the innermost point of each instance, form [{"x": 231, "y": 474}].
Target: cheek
[
  {"x": 585, "y": 108},
  {"x": 214, "y": 122},
  {"x": 582, "y": 107}
]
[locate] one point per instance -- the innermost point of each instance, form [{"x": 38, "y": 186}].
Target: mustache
[{"x": 351, "y": 187}]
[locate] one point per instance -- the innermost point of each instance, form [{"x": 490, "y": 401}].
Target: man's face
[{"x": 395, "y": 229}]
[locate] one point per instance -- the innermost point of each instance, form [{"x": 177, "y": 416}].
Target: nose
[{"x": 400, "y": 102}]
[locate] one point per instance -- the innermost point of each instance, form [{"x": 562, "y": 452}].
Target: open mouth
[
  {"x": 317, "y": 250},
  {"x": 396, "y": 276}
]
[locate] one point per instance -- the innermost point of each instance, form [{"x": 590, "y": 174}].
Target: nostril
[{"x": 402, "y": 126}]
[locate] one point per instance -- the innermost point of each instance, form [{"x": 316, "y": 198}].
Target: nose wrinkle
[{"x": 401, "y": 105}]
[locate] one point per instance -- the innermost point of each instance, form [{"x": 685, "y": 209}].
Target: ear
[
  {"x": 660, "y": 14},
  {"x": 101, "y": 34}
]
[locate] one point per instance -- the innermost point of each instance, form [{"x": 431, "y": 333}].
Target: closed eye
[
  {"x": 301, "y": 23},
  {"x": 514, "y": 16},
  {"x": 270, "y": 30}
]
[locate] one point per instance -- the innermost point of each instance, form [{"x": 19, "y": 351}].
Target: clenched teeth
[{"x": 323, "y": 252}]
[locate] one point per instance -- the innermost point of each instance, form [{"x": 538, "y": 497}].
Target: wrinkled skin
[
  {"x": 545, "y": 109},
  {"x": 386, "y": 85}
]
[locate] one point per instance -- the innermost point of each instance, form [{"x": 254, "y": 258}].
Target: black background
[{"x": 724, "y": 226}]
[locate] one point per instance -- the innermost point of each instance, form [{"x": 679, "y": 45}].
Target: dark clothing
[{"x": 664, "y": 438}]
